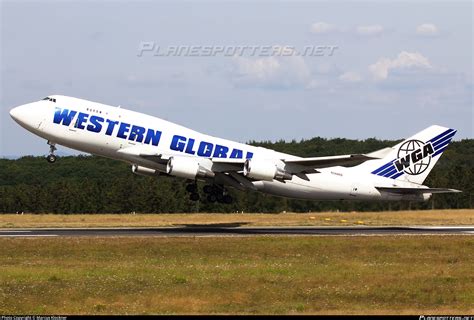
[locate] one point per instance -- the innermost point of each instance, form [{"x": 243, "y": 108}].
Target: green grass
[{"x": 244, "y": 275}]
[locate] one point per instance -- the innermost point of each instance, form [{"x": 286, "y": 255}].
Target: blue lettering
[
  {"x": 236, "y": 154},
  {"x": 96, "y": 124},
  {"x": 81, "y": 118},
  {"x": 205, "y": 149},
  {"x": 110, "y": 127},
  {"x": 153, "y": 137},
  {"x": 136, "y": 133},
  {"x": 178, "y": 143},
  {"x": 249, "y": 155},
  {"x": 64, "y": 116},
  {"x": 189, "y": 147},
  {"x": 123, "y": 129},
  {"x": 220, "y": 151}
]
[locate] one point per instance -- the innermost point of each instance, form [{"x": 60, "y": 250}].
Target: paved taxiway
[{"x": 220, "y": 231}]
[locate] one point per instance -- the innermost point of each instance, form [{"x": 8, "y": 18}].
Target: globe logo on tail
[{"x": 414, "y": 157}]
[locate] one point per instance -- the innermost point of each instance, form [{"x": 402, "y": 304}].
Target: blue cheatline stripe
[
  {"x": 386, "y": 170},
  {"x": 442, "y": 145},
  {"x": 382, "y": 173},
  {"x": 382, "y": 167},
  {"x": 388, "y": 174},
  {"x": 440, "y": 151},
  {"x": 441, "y": 141},
  {"x": 395, "y": 176},
  {"x": 441, "y": 135}
]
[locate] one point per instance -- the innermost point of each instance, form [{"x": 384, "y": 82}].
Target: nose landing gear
[{"x": 51, "y": 158}]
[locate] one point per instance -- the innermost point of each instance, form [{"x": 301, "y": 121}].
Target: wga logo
[{"x": 414, "y": 157}]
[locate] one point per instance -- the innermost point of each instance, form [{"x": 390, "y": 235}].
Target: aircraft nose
[
  {"x": 20, "y": 114},
  {"x": 25, "y": 115},
  {"x": 15, "y": 113}
]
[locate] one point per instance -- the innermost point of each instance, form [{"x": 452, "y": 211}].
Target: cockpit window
[{"x": 49, "y": 99}]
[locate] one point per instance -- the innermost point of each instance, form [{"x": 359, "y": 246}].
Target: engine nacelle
[
  {"x": 144, "y": 171},
  {"x": 264, "y": 170},
  {"x": 187, "y": 167}
]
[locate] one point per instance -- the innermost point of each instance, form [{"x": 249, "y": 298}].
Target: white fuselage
[{"x": 123, "y": 134}]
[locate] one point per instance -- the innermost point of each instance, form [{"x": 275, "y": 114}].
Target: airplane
[{"x": 155, "y": 147}]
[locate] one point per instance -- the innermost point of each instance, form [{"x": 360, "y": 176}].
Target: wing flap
[
  {"x": 158, "y": 158},
  {"x": 147, "y": 154}
]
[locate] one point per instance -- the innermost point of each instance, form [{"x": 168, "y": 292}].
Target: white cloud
[
  {"x": 427, "y": 29},
  {"x": 404, "y": 60},
  {"x": 350, "y": 77},
  {"x": 276, "y": 71},
  {"x": 366, "y": 30},
  {"x": 322, "y": 28},
  {"x": 371, "y": 30}
]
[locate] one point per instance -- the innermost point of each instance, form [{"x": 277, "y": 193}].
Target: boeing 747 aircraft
[{"x": 155, "y": 147}]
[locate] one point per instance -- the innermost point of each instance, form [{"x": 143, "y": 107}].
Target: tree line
[{"x": 89, "y": 184}]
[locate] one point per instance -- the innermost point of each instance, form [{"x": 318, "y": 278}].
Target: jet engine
[
  {"x": 264, "y": 170},
  {"x": 144, "y": 171},
  {"x": 187, "y": 167}
]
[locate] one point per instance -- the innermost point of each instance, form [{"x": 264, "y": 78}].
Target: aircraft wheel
[
  {"x": 192, "y": 188},
  {"x": 208, "y": 189},
  {"x": 51, "y": 158},
  {"x": 211, "y": 198},
  {"x": 228, "y": 199},
  {"x": 194, "y": 197}
]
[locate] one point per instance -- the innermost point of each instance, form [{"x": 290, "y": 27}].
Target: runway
[{"x": 212, "y": 230}]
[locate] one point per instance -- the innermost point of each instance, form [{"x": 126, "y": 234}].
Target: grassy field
[
  {"x": 426, "y": 217},
  {"x": 244, "y": 275}
]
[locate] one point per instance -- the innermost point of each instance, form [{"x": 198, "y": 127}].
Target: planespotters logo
[{"x": 414, "y": 157}]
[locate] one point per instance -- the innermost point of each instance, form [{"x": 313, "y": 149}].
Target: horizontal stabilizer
[{"x": 400, "y": 190}]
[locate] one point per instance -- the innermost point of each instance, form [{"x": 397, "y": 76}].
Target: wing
[
  {"x": 303, "y": 165},
  {"x": 325, "y": 162},
  {"x": 231, "y": 171},
  {"x": 299, "y": 167}
]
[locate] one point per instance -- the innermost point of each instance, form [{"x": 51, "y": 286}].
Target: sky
[{"x": 395, "y": 68}]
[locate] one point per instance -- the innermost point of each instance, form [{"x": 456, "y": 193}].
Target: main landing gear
[
  {"x": 215, "y": 193},
  {"x": 51, "y": 157},
  {"x": 192, "y": 188}
]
